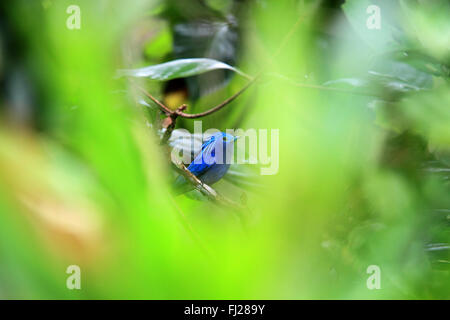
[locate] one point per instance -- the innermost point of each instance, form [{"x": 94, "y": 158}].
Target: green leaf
[
  {"x": 385, "y": 77},
  {"x": 428, "y": 115},
  {"x": 180, "y": 68},
  {"x": 399, "y": 76},
  {"x": 160, "y": 45},
  {"x": 207, "y": 39}
]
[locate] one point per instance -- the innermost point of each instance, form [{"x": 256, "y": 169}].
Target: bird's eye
[{"x": 225, "y": 139}]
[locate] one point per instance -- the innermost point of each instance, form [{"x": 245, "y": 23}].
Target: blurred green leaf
[
  {"x": 399, "y": 76},
  {"x": 160, "y": 46},
  {"x": 429, "y": 24},
  {"x": 429, "y": 115},
  {"x": 386, "y": 77}
]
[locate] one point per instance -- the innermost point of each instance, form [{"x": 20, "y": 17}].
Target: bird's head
[
  {"x": 219, "y": 145},
  {"x": 222, "y": 138},
  {"x": 228, "y": 138}
]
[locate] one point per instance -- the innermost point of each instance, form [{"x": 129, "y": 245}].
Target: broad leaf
[{"x": 180, "y": 68}]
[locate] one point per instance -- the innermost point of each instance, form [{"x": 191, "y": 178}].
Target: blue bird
[{"x": 210, "y": 164}]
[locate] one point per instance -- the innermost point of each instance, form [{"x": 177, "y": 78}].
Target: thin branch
[
  {"x": 159, "y": 103},
  {"x": 219, "y": 106},
  {"x": 206, "y": 190},
  {"x": 180, "y": 113},
  {"x": 172, "y": 121}
]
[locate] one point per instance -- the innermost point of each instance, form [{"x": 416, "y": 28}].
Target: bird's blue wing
[{"x": 204, "y": 160}]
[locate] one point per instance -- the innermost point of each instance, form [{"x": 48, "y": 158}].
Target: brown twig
[
  {"x": 172, "y": 115},
  {"x": 179, "y": 112},
  {"x": 172, "y": 121},
  {"x": 219, "y": 106},
  {"x": 206, "y": 190},
  {"x": 161, "y": 105}
]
